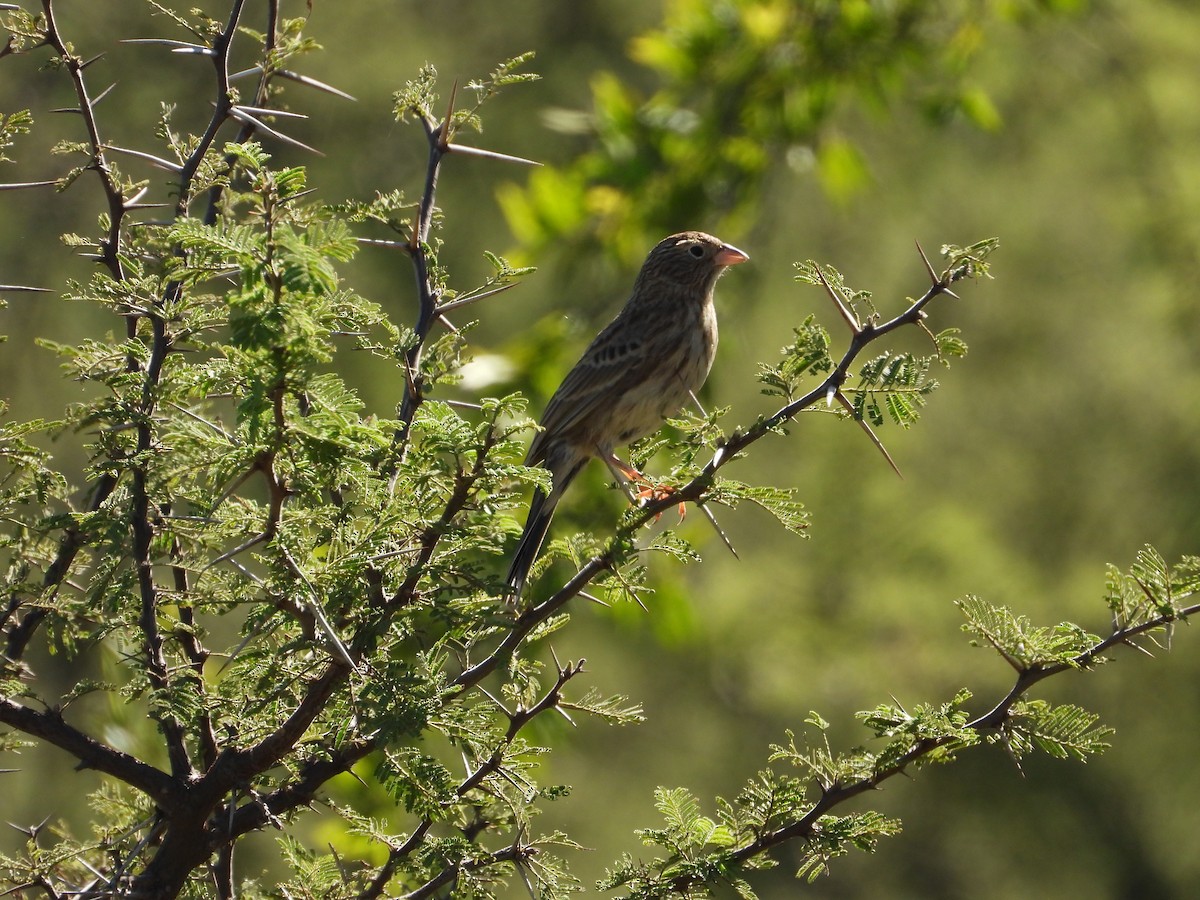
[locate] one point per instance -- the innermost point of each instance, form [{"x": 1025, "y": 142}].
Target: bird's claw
[{"x": 651, "y": 493}]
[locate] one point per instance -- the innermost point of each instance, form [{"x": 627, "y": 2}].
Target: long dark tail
[{"x": 541, "y": 511}]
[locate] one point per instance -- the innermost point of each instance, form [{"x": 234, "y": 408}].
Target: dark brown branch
[
  {"x": 828, "y": 388},
  {"x": 143, "y": 537},
  {"x": 69, "y": 546},
  {"x": 50, "y": 726},
  {"x": 195, "y": 652},
  {"x": 464, "y": 486},
  {"x": 301, "y": 791},
  {"x": 72, "y": 540},
  {"x": 220, "y": 57},
  {"x": 427, "y": 295},
  {"x": 395, "y": 856},
  {"x": 516, "y": 721},
  {"x": 222, "y": 872},
  {"x": 450, "y": 874},
  {"x": 111, "y": 245},
  {"x": 1032, "y": 675},
  {"x": 529, "y": 620},
  {"x": 260, "y": 98}
]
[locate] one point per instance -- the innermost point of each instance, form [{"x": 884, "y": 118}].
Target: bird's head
[{"x": 690, "y": 259}]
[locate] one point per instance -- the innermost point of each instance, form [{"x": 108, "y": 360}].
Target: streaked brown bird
[{"x": 642, "y": 368}]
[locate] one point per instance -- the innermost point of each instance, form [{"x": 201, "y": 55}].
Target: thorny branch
[
  {"x": 110, "y": 256},
  {"x": 140, "y": 514},
  {"x": 249, "y": 124},
  {"x": 438, "y": 137},
  {"x": 111, "y": 245},
  {"x": 449, "y": 875},
  {"x": 177, "y": 853},
  {"x": 429, "y": 307},
  {"x": 517, "y": 720},
  {"x": 835, "y": 795},
  {"x": 206, "y": 807}
]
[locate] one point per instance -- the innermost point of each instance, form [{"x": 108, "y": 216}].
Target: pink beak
[{"x": 730, "y": 255}]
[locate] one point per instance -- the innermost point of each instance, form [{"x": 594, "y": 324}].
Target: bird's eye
[{"x": 696, "y": 250}]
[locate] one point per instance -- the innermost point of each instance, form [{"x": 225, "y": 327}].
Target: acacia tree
[{"x": 294, "y": 587}]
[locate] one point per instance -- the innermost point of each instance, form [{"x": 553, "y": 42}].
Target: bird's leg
[
  {"x": 647, "y": 490},
  {"x": 623, "y": 473}
]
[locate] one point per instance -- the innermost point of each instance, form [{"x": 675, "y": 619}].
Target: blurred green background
[{"x": 1064, "y": 441}]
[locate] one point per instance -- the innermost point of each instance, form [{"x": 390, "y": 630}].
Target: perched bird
[{"x": 642, "y": 368}]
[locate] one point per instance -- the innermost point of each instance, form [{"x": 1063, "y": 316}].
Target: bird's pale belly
[{"x": 640, "y": 411}]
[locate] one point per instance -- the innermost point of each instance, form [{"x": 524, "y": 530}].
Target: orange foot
[
  {"x": 648, "y": 491},
  {"x": 652, "y": 492}
]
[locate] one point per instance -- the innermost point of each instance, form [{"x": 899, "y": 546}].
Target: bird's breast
[{"x": 680, "y": 369}]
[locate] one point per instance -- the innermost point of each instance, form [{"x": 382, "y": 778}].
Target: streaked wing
[{"x": 615, "y": 360}]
